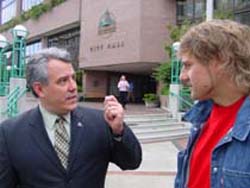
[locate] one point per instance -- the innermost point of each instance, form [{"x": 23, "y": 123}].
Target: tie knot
[{"x": 60, "y": 120}]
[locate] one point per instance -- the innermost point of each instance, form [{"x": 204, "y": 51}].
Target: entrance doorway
[{"x": 141, "y": 84}]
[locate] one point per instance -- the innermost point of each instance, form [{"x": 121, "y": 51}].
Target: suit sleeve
[
  {"x": 7, "y": 175},
  {"x": 127, "y": 153}
]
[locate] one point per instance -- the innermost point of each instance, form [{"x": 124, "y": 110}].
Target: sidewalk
[
  {"x": 158, "y": 166},
  {"x": 130, "y": 108}
]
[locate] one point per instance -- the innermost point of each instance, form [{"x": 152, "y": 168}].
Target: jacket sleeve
[
  {"x": 127, "y": 152},
  {"x": 7, "y": 176}
]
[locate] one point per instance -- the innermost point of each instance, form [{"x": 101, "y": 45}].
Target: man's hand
[{"x": 113, "y": 114}]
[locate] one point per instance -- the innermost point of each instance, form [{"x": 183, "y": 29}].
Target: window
[
  {"x": 68, "y": 40},
  {"x": 185, "y": 10},
  {"x": 243, "y": 17},
  {"x": 33, "y": 48},
  {"x": 242, "y": 11},
  {"x": 200, "y": 8},
  {"x": 239, "y": 4},
  {"x": 8, "y": 10},
  {"x": 190, "y": 9},
  {"x": 223, "y": 4},
  {"x": 28, "y": 4}
]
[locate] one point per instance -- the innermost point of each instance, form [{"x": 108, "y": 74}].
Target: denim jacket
[{"x": 230, "y": 162}]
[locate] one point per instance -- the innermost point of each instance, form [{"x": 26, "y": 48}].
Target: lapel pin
[{"x": 79, "y": 124}]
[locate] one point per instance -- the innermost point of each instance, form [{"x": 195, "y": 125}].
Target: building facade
[{"x": 109, "y": 38}]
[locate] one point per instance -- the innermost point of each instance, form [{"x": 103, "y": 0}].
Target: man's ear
[{"x": 38, "y": 89}]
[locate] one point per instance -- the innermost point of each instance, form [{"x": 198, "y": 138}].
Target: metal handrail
[
  {"x": 12, "y": 101},
  {"x": 4, "y": 88},
  {"x": 182, "y": 99}
]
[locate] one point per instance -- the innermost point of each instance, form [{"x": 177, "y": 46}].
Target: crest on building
[{"x": 107, "y": 23}]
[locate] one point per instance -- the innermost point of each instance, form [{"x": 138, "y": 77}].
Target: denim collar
[{"x": 201, "y": 111}]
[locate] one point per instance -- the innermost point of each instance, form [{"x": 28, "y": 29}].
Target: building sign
[
  {"x": 107, "y": 24},
  {"x": 110, "y": 45}
]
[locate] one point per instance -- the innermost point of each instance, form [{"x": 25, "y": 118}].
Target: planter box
[
  {"x": 152, "y": 104},
  {"x": 164, "y": 101}
]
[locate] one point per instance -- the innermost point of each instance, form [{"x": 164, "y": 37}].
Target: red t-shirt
[{"x": 219, "y": 123}]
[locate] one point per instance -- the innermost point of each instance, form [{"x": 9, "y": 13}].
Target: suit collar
[
  {"x": 40, "y": 136},
  {"x": 78, "y": 126},
  {"x": 41, "y": 139}
]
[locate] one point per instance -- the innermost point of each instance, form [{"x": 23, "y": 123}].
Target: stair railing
[{"x": 12, "y": 101}]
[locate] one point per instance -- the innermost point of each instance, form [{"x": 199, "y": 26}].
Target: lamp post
[
  {"x": 175, "y": 63},
  {"x": 3, "y": 69},
  {"x": 19, "y": 33},
  {"x": 209, "y": 10}
]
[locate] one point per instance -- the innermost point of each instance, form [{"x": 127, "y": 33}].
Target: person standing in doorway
[
  {"x": 123, "y": 87},
  {"x": 216, "y": 65}
]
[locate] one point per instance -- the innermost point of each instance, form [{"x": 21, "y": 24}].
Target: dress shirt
[{"x": 49, "y": 122}]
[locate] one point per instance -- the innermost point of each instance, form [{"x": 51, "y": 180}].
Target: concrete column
[
  {"x": 19, "y": 7},
  {"x": 209, "y": 10},
  {"x": 3, "y": 107},
  {"x": 44, "y": 41},
  {"x": 173, "y": 99}
]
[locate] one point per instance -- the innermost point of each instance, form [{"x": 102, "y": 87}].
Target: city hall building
[{"x": 108, "y": 38}]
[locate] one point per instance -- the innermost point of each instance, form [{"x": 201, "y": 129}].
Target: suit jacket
[{"x": 28, "y": 159}]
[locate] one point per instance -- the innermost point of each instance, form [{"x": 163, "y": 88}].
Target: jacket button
[
  {"x": 195, "y": 129},
  {"x": 215, "y": 170}
]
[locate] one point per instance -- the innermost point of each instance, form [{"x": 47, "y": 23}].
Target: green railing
[
  {"x": 4, "y": 88},
  {"x": 175, "y": 64},
  {"x": 18, "y": 58},
  {"x": 12, "y": 101},
  {"x": 4, "y": 73},
  {"x": 185, "y": 102},
  {"x": 185, "y": 95}
]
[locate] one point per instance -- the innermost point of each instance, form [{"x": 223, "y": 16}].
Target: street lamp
[
  {"x": 3, "y": 70},
  {"x": 19, "y": 33},
  {"x": 209, "y": 10},
  {"x": 175, "y": 63}
]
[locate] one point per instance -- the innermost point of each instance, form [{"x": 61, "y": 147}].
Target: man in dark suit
[{"x": 58, "y": 144}]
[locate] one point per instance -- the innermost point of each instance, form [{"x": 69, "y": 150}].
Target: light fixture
[
  {"x": 176, "y": 46},
  {"x": 8, "y": 67},
  {"x": 20, "y": 31}
]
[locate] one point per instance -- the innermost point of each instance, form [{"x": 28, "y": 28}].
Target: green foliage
[
  {"x": 163, "y": 73},
  {"x": 79, "y": 75},
  {"x": 34, "y": 13},
  {"x": 165, "y": 90},
  {"x": 223, "y": 14},
  {"x": 177, "y": 31},
  {"x": 150, "y": 97}
]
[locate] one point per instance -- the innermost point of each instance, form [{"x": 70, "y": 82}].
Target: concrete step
[
  {"x": 136, "y": 119},
  {"x": 155, "y": 131},
  {"x": 148, "y": 116},
  {"x": 156, "y": 127},
  {"x": 154, "y": 124},
  {"x": 162, "y": 137},
  {"x": 149, "y": 120}
]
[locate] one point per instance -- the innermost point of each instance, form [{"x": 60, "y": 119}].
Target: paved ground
[
  {"x": 130, "y": 108},
  {"x": 158, "y": 166}
]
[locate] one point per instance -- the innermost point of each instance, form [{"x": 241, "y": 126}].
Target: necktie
[{"x": 61, "y": 142}]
